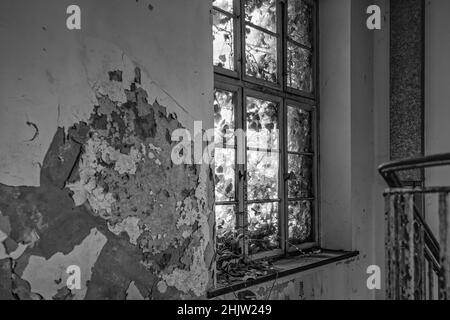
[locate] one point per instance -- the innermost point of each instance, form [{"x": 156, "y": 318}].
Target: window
[{"x": 265, "y": 116}]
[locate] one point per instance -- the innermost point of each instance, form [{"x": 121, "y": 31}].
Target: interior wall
[
  {"x": 437, "y": 95},
  {"x": 335, "y": 123},
  {"x": 348, "y": 134},
  {"x": 86, "y": 118},
  {"x": 381, "y": 74},
  {"x": 68, "y": 83},
  {"x": 48, "y": 71}
]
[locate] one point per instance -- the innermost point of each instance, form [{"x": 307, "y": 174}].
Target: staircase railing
[{"x": 417, "y": 263}]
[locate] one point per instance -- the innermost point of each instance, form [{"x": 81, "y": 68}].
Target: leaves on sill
[{"x": 232, "y": 271}]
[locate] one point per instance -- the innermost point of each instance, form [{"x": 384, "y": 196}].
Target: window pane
[
  {"x": 262, "y": 124},
  {"x": 226, "y": 5},
  {"x": 300, "y": 181},
  {"x": 300, "y": 22},
  {"x": 299, "y": 221},
  {"x": 224, "y": 117},
  {"x": 262, "y": 171},
  {"x": 260, "y": 55},
  {"x": 299, "y": 130},
  {"x": 300, "y": 68},
  {"x": 223, "y": 44},
  {"x": 263, "y": 227},
  {"x": 262, "y": 13},
  {"x": 224, "y": 174},
  {"x": 226, "y": 230}
]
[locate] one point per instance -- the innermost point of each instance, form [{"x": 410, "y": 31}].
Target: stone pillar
[{"x": 407, "y": 59}]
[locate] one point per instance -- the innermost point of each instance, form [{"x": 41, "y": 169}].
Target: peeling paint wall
[
  {"x": 86, "y": 176},
  {"x": 85, "y": 171},
  {"x": 50, "y": 75}
]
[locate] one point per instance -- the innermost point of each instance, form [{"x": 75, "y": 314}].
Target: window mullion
[
  {"x": 281, "y": 43},
  {"x": 239, "y": 5},
  {"x": 241, "y": 217},
  {"x": 283, "y": 212}
]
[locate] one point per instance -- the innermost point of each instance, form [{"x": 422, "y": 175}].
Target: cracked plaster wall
[
  {"x": 73, "y": 103},
  {"x": 85, "y": 171}
]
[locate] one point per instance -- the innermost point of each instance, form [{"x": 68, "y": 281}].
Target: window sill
[{"x": 287, "y": 266}]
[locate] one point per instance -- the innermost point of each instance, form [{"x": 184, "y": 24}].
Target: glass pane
[
  {"x": 224, "y": 174},
  {"x": 299, "y": 130},
  {"x": 262, "y": 124},
  {"x": 223, "y": 117},
  {"x": 300, "y": 181},
  {"x": 300, "y": 68},
  {"x": 262, "y": 171},
  {"x": 300, "y": 22},
  {"x": 226, "y": 5},
  {"x": 260, "y": 55},
  {"x": 226, "y": 230},
  {"x": 263, "y": 232},
  {"x": 223, "y": 44},
  {"x": 262, "y": 13},
  {"x": 299, "y": 221}
]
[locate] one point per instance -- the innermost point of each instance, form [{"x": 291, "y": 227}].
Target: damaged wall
[{"x": 86, "y": 176}]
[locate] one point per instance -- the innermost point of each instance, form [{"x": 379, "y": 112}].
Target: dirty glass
[
  {"x": 224, "y": 117},
  {"x": 300, "y": 170},
  {"x": 298, "y": 130},
  {"x": 223, "y": 40},
  {"x": 227, "y": 242},
  {"x": 300, "y": 68},
  {"x": 299, "y": 221},
  {"x": 224, "y": 174},
  {"x": 262, "y": 13},
  {"x": 300, "y": 22},
  {"x": 262, "y": 171},
  {"x": 263, "y": 232},
  {"x": 260, "y": 54},
  {"x": 262, "y": 124},
  {"x": 226, "y": 5}
]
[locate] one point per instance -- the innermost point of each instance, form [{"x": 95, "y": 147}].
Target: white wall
[
  {"x": 437, "y": 96},
  {"x": 354, "y": 78},
  {"x": 381, "y": 129},
  {"x": 335, "y": 123},
  {"x": 47, "y": 72}
]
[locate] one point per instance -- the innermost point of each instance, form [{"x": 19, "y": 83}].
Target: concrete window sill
[{"x": 287, "y": 266}]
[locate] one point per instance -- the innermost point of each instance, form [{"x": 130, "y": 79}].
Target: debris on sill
[{"x": 233, "y": 271}]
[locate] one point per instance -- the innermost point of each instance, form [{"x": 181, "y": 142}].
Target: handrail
[
  {"x": 389, "y": 172},
  {"x": 437, "y": 160}
]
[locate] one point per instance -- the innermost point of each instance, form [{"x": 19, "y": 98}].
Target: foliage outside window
[{"x": 264, "y": 62}]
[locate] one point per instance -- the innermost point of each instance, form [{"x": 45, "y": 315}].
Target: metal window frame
[
  {"x": 315, "y": 175},
  {"x": 243, "y": 85}
]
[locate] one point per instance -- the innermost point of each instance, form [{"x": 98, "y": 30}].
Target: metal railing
[{"x": 417, "y": 263}]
